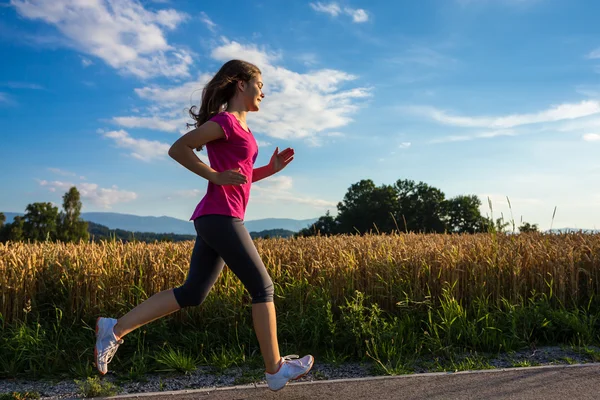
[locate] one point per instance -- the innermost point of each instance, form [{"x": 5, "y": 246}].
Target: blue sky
[{"x": 497, "y": 98}]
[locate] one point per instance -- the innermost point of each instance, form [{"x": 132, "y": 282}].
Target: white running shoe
[
  {"x": 106, "y": 343},
  {"x": 290, "y": 368}
]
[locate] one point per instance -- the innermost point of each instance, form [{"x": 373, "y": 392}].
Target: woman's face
[{"x": 253, "y": 93}]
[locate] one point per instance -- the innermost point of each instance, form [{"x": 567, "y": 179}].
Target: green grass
[
  {"x": 525, "y": 363},
  {"x": 220, "y": 335},
  {"x": 19, "y": 396},
  {"x": 593, "y": 354},
  {"x": 176, "y": 360},
  {"x": 471, "y": 363},
  {"x": 96, "y": 387}
]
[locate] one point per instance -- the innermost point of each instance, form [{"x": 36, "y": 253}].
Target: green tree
[
  {"x": 405, "y": 206},
  {"x": 40, "y": 221},
  {"x": 488, "y": 225},
  {"x": 527, "y": 227},
  {"x": 365, "y": 208},
  {"x": 13, "y": 232},
  {"x": 420, "y": 207},
  {"x": 70, "y": 227},
  {"x": 463, "y": 215},
  {"x": 4, "y": 229},
  {"x": 352, "y": 210},
  {"x": 325, "y": 225}
]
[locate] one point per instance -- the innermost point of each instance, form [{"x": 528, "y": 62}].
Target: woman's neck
[
  {"x": 238, "y": 109},
  {"x": 240, "y": 115}
]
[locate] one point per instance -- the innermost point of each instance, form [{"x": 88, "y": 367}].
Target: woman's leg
[
  {"x": 205, "y": 267},
  {"x": 229, "y": 237},
  {"x": 157, "y": 306},
  {"x": 265, "y": 326}
]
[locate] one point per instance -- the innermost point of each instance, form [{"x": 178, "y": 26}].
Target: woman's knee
[
  {"x": 264, "y": 295},
  {"x": 188, "y": 297}
]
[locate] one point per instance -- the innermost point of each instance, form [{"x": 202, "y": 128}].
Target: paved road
[{"x": 543, "y": 383}]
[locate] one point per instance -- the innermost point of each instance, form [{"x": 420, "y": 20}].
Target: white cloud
[
  {"x": 481, "y": 135},
  {"x": 584, "y": 124},
  {"x": 332, "y": 8},
  {"x": 86, "y": 62},
  {"x": 279, "y": 182},
  {"x": 142, "y": 149},
  {"x": 262, "y": 143},
  {"x": 553, "y": 114},
  {"x": 251, "y": 53},
  {"x": 296, "y": 106},
  {"x": 405, "y": 145},
  {"x": 358, "y": 15},
  {"x": 122, "y": 33},
  {"x": 308, "y": 59},
  {"x": 168, "y": 112},
  {"x": 208, "y": 22},
  {"x": 594, "y": 54},
  {"x": 101, "y": 197},
  {"x": 175, "y": 96},
  {"x": 591, "y": 137}
]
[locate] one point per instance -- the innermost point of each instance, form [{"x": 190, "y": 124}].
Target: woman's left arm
[{"x": 278, "y": 162}]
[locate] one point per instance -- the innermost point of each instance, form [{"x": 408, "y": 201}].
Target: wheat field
[{"x": 87, "y": 279}]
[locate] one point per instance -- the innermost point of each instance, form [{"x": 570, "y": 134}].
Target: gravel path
[{"x": 203, "y": 377}]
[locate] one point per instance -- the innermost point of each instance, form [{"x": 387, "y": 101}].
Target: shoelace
[
  {"x": 290, "y": 357},
  {"x": 110, "y": 352}
]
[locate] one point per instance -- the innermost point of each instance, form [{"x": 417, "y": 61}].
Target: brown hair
[{"x": 221, "y": 89}]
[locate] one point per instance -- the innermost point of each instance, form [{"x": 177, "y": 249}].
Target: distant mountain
[
  {"x": 288, "y": 224},
  {"x": 100, "y": 232},
  {"x": 272, "y": 233},
  {"x": 572, "y": 230},
  {"x": 137, "y": 223}
]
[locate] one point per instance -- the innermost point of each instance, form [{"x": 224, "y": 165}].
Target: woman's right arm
[{"x": 182, "y": 151}]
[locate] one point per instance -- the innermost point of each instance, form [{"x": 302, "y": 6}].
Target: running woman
[{"x": 221, "y": 237}]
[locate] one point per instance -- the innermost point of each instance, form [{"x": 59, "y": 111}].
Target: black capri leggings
[{"x": 223, "y": 239}]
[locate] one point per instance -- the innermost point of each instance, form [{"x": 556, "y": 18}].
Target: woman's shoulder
[
  {"x": 224, "y": 119},
  {"x": 222, "y": 116}
]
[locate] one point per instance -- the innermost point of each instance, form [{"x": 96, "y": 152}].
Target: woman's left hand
[{"x": 280, "y": 160}]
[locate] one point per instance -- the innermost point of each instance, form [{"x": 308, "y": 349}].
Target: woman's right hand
[{"x": 229, "y": 177}]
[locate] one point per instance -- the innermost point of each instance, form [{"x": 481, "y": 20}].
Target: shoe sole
[
  {"x": 96, "y": 349},
  {"x": 298, "y": 377}
]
